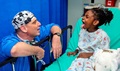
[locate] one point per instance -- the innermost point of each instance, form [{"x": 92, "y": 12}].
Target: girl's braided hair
[{"x": 103, "y": 15}]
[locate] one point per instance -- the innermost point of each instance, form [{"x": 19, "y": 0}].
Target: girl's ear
[
  {"x": 23, "y": 28},
  {"x": 96, "y": 22}
]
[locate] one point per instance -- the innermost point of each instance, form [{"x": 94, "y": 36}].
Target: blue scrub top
[{"x": 22, "y": 63}]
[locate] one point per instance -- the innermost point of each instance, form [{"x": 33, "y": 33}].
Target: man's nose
[{"x": 39, "y": 23}]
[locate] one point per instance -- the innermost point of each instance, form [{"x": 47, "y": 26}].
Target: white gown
[{"x": 89, "y": 42}]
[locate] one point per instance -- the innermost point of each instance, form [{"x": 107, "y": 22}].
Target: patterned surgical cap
[{"x": 22, "y": 18}]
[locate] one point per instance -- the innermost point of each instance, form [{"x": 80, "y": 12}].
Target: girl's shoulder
[{"x": 102, "y": 33}]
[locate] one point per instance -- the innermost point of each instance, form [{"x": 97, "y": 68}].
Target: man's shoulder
[{"x": 12, "y": 37}]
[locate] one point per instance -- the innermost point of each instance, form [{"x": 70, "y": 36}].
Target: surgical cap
[{"x": 22, "y": 18}]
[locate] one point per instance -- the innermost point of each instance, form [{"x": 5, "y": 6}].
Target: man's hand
[
  {"x": 56, "y": 46},
  {"x": 40, "y": 53}
]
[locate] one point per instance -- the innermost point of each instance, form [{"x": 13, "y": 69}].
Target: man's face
[{"x": 33, "y": 28}]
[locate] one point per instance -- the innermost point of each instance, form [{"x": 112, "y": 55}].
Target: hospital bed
[{"x": 63, "y": 62}]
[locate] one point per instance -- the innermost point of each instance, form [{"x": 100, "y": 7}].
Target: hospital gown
[{"x": 88, "y": 43}]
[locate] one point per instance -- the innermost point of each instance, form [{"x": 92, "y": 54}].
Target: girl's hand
[{"x": 71, "y": 53}]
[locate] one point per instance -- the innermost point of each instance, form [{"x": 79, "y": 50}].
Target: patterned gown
[{"x": 89, "y": 42}]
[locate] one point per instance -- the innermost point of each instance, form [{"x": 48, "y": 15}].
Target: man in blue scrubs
[{"x": 17, "y": 44}]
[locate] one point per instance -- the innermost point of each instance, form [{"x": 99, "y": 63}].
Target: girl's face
[{"x": 89, "y": 21}]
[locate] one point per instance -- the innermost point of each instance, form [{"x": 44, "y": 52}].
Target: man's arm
[
  {"x": 56, "y": 42},
  {"x": 24, "y": 49},
  {"x": 56, "y": 29}
]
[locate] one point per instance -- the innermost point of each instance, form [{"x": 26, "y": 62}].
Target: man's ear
[
  {"x": 23, "y": 28},
  {"x": 96, "y": 22}
]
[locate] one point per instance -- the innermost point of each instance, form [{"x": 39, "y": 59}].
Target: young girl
[{"x": 91, "y": 38}]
